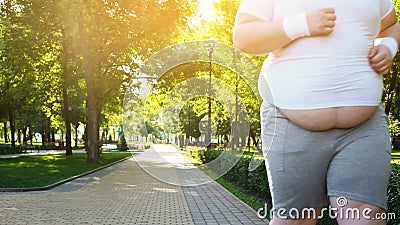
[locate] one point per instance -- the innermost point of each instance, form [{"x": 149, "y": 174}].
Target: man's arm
[
  {"x": 256, "y": 36},
  {"x": 380, "y": 56}
]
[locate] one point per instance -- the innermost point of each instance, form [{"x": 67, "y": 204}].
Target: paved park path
[{"x": 158, "y": 186}]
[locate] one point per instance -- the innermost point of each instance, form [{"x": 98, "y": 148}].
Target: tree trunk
[
  {"x": 67, "y": 120},
  {"x": 5, "y": 133},
  {"x": 243, "y": 141},
  {"x": 43, "y": 136},
  {"x": 234, "y": 141},
  {"x": 390, "y": 93},
  {"x": 92, "y": 130},
  {"x": 43, "y": 133},
  {"x": 48, "y": 136},
  {"x": 12, "y": 127},
  {"x": 91, "y": 102},
  {"x": 19, "y": 133},
  {"x": 76, "y": 135},
  {"x": 24, "y": 135},
  {"x": 53, "y": 136},
  {"x": 31, "y": 135},
  {"x": 255, "y": 141},
  {"x": 98, "y": 109},
  {"x": 66, "y": 112},
  {"x": 92, "y": 127}
]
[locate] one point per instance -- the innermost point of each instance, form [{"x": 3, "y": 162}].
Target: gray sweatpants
[{"x": 306, "y": 167}]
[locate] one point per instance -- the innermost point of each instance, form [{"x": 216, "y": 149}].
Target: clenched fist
[
  {"x": 380, "y": 59},
  {"x": 321, "y": 21}
]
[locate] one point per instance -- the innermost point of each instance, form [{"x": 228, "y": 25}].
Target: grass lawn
[{"x": 43, "y": 170}]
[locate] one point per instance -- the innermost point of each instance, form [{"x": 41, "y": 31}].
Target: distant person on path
[{"x": 325, "y": 135}]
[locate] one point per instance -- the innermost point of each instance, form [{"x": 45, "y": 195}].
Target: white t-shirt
[{"x": 325, "y": 71}]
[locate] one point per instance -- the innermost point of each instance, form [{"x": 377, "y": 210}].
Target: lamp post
[{"x": 210, "y": 55}]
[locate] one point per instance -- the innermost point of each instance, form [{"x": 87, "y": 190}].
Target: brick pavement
[{"x": 158, "y": 186}]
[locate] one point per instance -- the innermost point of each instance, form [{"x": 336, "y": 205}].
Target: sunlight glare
[{"x": 206, "y": 9}]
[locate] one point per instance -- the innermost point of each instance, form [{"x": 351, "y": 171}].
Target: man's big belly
[{"x": 329, "y": 118}]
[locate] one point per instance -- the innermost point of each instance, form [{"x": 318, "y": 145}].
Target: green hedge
[
  {"x": 394, "y": 194},
  {"x": 7, "y": 149},
  {"x": 255, "y": 182}
]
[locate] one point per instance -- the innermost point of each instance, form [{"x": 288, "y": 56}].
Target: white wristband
[
  {"x": 296, "y": 26},
  {"x": 389, "y": 42}
]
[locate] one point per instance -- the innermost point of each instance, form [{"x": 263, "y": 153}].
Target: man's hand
[
  {"x": 380, "y": 59},
  {"x": 321, "y": 21}
]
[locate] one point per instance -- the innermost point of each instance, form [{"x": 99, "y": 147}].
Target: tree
[
  {"x": 391, "y": 94},
  {"x": 31, "y": 58},
  {"x": 109, "y": 32},
  {"x": 16, "y": 63}
]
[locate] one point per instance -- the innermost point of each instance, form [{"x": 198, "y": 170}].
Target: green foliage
[
  {"x": 122, "y": 145},
  {"x": 187, "y": 85},
  {"x": 47, "y": 49},
  {"x": 238, "y": 191},
  {"x": 7, "y": 149},
  {"x": 394, "y": 127},
  {"x": 196, "y": 153},
  {"x": 253, "y": 182},
  {"x": 211, "y": 155},
  {"x": 258, "y": 180},
  {"x": 394, "y": 194},
  {"x": 189, "y": 121}
]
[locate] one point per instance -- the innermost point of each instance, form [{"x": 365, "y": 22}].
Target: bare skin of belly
[{"x": 329, "y": 118}]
